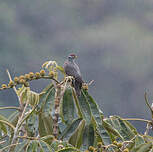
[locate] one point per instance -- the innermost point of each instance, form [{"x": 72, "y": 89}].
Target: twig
[
  {"x": 58, "y": 97},
  {"x": 27, "y": 116},
  {"x": 147, "y": 103},
  {"x": 90, "y": 82},
  {"x": 147, "y": 129},
  {"x": 14, "y": 88},
  {"x": 137, "y": 119},
  {"x": 125, "y": 144},
  {"x": 26, "y": 137},
  {"x": 57, "y": 110},
  {"x": 48, "y": 77},
  {"x": 14, "y": 139},
  {"x": 11, "y": 107},
  {"x": 2, "y": 142},
  {"x": 34, "y": 78},
  {"x": 10, "y": 79}
]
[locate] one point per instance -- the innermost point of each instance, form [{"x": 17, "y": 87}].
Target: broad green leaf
[
  {"x": 88, "y": 137},
  {"x": 32, "y": 146},
  {"x": 45, "y": 124},
  {"x": 79, "y": 112},
  {"x": 32, "y": 125},
  {"x": 122, "y": 127},
  {"x": 20, "y": 147},
  {"x": 76, "y": 138},
  {"x": 46, "y": 106},
  {"x": 68, "y": 107},
  {"x": 62, "y": 125},
  {"x": 111, "y": 130},
  {"x": 131, "y": 127},
  {"x": 96, "y": 114},
  {"x": 44, "y": 147},
  {"x": 84, "y": 107},
  {"x": 22, "y": 93},
  {"x": 32, "y": 97},
  {"x": 13, "y": 118},
  {"x": 68, "y": 132},
  {"x": 146, "y": 147},
  {"x": 48, "y": 139},
  {"x": 139, "y": 140},
  {"x": 26, "y": 95},
  {"x": 3, "y": 125},
  {"x": 47, "y": 99},
  {"x": 69, "y": 149}
]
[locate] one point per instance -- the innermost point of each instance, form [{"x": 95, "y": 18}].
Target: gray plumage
[{"x": 72, "y": 69}]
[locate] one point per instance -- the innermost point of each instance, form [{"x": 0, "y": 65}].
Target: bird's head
[{"x": 72, "y": 57}]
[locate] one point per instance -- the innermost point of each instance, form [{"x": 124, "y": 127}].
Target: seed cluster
[
  {"x": 23, "y": 79},
  {"x": 100, "y": 147}
]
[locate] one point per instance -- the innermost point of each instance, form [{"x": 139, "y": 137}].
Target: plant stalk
[{"x": 57, "y": 110}]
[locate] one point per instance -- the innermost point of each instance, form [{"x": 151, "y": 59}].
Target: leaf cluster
[{"x": 57, "y": 120}]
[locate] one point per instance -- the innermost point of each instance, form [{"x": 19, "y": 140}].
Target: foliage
[{"x": 58, "y": 120}]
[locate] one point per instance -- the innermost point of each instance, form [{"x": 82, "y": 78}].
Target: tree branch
[{"x": 11, "y": 107}]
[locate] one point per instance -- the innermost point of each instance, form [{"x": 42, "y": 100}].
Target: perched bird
[{"x": 72, "y": 69}]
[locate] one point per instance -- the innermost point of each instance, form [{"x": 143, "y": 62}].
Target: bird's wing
[{"x": 71, "y": 70}]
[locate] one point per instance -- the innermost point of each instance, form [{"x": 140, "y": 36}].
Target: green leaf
[
  {"x": 68, "y": 107},
  {"x": 32, "y": 97},
  {"x": 131, "y": 127},
  {"x": 122, "y": 127},
  {"x": 112, "y": 131},
  {"x": 96, "y": 114},
  {"x": 44, "y": 147},
  {"x": 88, "y": 137},
  {"x": 79, "y": 112},
  {"x": 32, "y": 125},
  {"x": 32, "y": 146},
  {"x": 68, "y": 132},
  {"x": 45, "y": 124},
  {"x": 60, "y": 69},
  {"x": 21, "y": 147},
  {"x": 139, "y": 140},
  {"x": 13, "y": 118},
  {"x": 26, "y": 95},
  {"x": 46, "y": 105},
  {"x": 47, "y": 99},
  {"x": 143, "y": 148},
  {"x": 76, "y": 138},
  {"x": 69, "y": 149},
  {"x": 2, "y": 125},
  {"x": 84, "y": 107},
  {"x": 48, "y": 139},
  {"x": 22, "y": 93}
]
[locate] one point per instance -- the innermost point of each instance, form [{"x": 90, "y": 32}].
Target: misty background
[{"x": 112, "y": 39}]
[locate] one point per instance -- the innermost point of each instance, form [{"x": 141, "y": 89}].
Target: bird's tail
[{"x": 77, "y": 86}]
